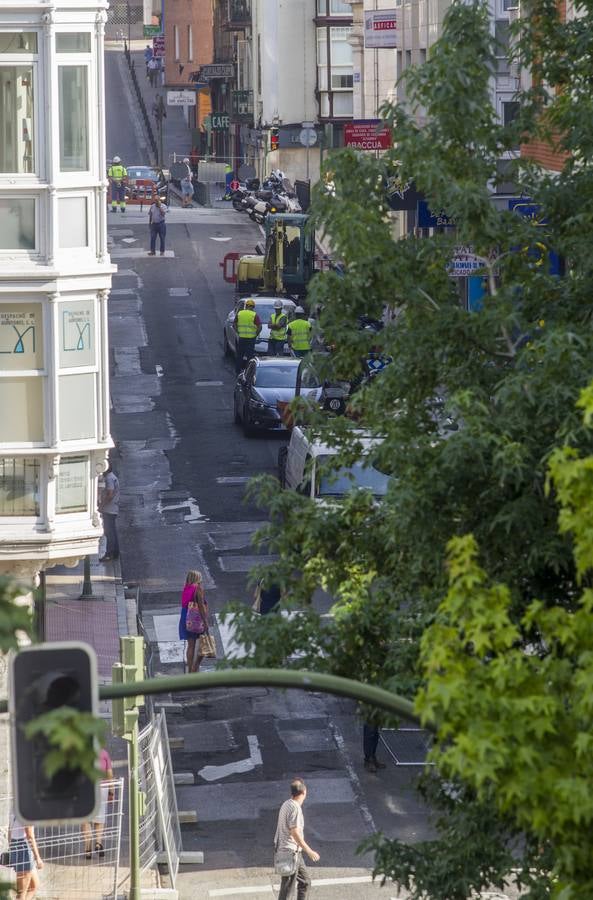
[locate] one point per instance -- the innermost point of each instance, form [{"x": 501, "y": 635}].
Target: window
[
  {"x": 408, "y": 58},
  {"x": 19, "y": 487},
  {"x": 18, "y": 42},
  {"x": 190, "y": 44},
  {"x": 72, "y": 484},
  {"x": 510, "y": 110},
  {"x": 333, "y": 8},
  {"x": 502, "y": 39},
  {"x": 74, "y": 124},
  {"x": 334, "y": 72},
  {"x": 77, "y": 407},
  {"x": 16, "y": 119},
  {"x": 17, "y": 215},
  {"x": 73, "y": 222},
  {"x": 73, "y": 42},
  {"x": 422, "y": 56},
  {"x": 176, "y": 41}
]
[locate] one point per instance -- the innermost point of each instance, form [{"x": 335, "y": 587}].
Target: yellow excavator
[{"x": 288, "y": 260}]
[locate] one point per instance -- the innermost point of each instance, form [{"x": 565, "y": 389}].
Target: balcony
[
  {"x": 242, "y": 104},
  {"x": 236, "y": 14}
]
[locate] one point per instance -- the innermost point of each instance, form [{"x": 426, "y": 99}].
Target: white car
[{"x": 264, "y": 307}]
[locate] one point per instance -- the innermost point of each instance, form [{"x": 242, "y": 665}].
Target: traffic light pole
[{"x": 134, "y": 810}]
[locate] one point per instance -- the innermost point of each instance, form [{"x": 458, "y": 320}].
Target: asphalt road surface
[{"x": 183, "y": 467}]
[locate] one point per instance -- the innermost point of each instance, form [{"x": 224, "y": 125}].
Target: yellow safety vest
[
  {"x": 246, "y": 327},
  {"x": 278, "y": 334},
  {"x": 117, "y": 172},
  {"x": 300, "y": 329}
]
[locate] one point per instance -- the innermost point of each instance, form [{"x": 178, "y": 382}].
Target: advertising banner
[
  {"x": 381, "y": 28},
  {"x": 367, "y": 134}
]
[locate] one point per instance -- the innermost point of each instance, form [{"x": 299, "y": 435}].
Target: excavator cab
[{"x": 289, "y": 254}]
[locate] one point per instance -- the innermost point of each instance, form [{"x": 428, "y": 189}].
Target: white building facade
[{"x": 55, "y": 276}]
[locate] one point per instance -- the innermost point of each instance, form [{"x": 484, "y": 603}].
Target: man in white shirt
[
  {"x": 290, "y": 836},
  {"x": 156, "y": 221}
]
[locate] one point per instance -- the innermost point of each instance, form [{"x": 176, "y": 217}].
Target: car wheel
[
  {"x": 237, "y": 417},
  {"x": 282, "y": 457}
]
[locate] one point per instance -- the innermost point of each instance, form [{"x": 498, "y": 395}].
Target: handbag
[
  {"x": 207, "y": 646},
  {"x": 195, "y": 621},
  {"x": 285, "y": 862}
]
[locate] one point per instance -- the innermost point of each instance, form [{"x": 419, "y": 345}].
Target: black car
[{"x": 261, "y": 392}]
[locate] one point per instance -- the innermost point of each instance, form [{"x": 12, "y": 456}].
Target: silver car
[{"x": 264, "y": 307}]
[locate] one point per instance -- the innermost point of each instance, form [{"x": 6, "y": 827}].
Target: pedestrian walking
[
  {"x": 97, "y": 824},
  {"x": 247, "y": 325},
  {"x": 370, "y": 741},
  {"x": 299, "y": 333},
  {"x": 278, "y": 326},
  {"x": 193, "y": 621},
  {"x": 157, "y": 224},
  {"x": 147, "y": 57},
  {"x": 289, "y": 839},
  {"x": 24, "y": 858},
  {"x": 109, "y": 509},
  {"x": 153, "y": 66},
  {"x": 187, "y": 187},
  {"x": 118, "y": 179}
]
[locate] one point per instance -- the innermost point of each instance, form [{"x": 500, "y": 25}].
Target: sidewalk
[{"x": 176, "y": 133}]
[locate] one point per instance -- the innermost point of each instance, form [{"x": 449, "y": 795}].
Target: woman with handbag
[{"x": 193, "y": 623}]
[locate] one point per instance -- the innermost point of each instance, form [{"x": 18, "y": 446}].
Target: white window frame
[
  {"x": 89, "y": 196},
  {"x": 38, "y": 250},
  {"x": 82, "y": 60},
  {"x": 190, "y": 43},
  {"x": 176, "y": 43},
  {"x": 27, "y": 59}
]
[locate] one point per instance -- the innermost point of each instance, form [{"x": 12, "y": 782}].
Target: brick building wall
[{"x": 189, "y": 38}]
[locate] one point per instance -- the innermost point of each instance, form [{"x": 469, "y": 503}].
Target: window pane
[
  {"x": 18, "y": 42},
  {"x": 17, "y": 215},
  {"x": 21, "y": 402},
  {"x": 324, "y": 105},
  {"x": 77, "y": 334},
  {"x": 73, "y": 42},
  {"x": 19, "y": 487},
  {"x": 343, "y": 104},
  {"x": 510, "y": 111},
  {"x": 21, "y": 337},
  {"x": 72, "y": 487},
  {"x": 341, "y": 50},
  {"x": 322, "y": 77},
  {"x": 77, "y": 407},
  {"x": 321, "y": 7},
  {"x": 73, "y": 222},
  {"x": 338, "y": 6},
  {"x": 16, "y": 119},
  {"x": 322, "y": 46},
  {"x": 74, "y": 135}
]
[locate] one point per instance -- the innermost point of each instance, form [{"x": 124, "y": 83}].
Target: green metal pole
[
  {"x": 134, "y": 788},
  {"x": 278, "y": 678}
]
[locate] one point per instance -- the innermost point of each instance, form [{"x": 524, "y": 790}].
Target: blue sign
[
  {"x": 426, "y": 218},
  {"x": 525, "y": 207}
]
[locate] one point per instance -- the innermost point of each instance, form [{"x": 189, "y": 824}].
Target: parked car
[
  {"x": 301, "y": 468},
  {"x": 264, "y": 307},
  {"x": 262, "y": 392},
  {"x": 147, "y": 173}
]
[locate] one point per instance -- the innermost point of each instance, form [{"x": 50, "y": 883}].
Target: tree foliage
[{"x": 513, "y": 710}]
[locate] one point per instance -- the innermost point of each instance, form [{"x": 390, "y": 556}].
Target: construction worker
[
  {"x": 299, "y": 333},
  {"x": 118, "y": 178},
  {"x": 278, "y": 323},
  {"x": 247, "y": 325}
]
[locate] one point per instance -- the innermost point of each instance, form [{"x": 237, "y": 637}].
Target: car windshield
[
  {"x": 143, "y": 172},
  {"x": 265, "y": 310},
  {"x": 280, "y": 376},
  {"x": 345, "y": 479}
]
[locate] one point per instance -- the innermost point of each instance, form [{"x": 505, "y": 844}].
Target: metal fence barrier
[
  {"x": 141, "y": 104},
  {"x": 67, "y": 873}
]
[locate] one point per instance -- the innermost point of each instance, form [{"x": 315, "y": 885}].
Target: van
[{"x": 301, "y": 468}]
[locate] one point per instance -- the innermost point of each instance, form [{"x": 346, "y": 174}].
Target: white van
[{"x": 300, "y": 468}]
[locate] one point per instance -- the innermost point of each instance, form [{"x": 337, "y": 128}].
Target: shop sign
[
  {"x": 381, "y": 28},
  {"x": 402, "y": 195},
  {"x": 181, "y": 98},
  {"x": 158, "y": 47},
  {"x": 217, "y": 70},
  {"x": 367, "y": 134},
  {"x": 428, "y": 219},
  {"x": 151, "y": 30},
  {"x": 220, "y": 121},
  {"x": 464, "y": 263}
]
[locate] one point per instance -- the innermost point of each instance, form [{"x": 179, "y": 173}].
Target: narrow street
[{"x": 183, "y": 466}]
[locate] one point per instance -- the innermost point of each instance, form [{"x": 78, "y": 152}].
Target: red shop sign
[{"x": 368, "y": 134}]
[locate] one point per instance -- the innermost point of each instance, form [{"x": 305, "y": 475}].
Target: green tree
[{"x": 508, "y": 377}]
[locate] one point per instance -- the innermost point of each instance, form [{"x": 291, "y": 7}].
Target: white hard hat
[
  {"x": 116, "y": 159},
  {"x": 277, "y": 304},
  {"x": 298, "y": 310},
  {"x": 186, "y": 159}
]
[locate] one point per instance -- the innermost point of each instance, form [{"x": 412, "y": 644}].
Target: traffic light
[
  {"x": 42, "y": 679},
  {"x": 274, "y": 138}
]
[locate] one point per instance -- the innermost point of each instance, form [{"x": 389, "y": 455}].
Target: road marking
[
  {"x": 220, "y": 238},
  {"x": 129, "y": 240},
  {"x": 269, "y": 889},
  {"x": 215, "y": 773},
  {"x": 231, "y": 649},
  {"x": 244, "y": 563},
  {"x": 194, "y": 514},
  {"x": 354, "y": 779},
  {"x": 233, "y": 479},
  {"x": 209, "y": 384},
  {"x": 159, "y": 371}
]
